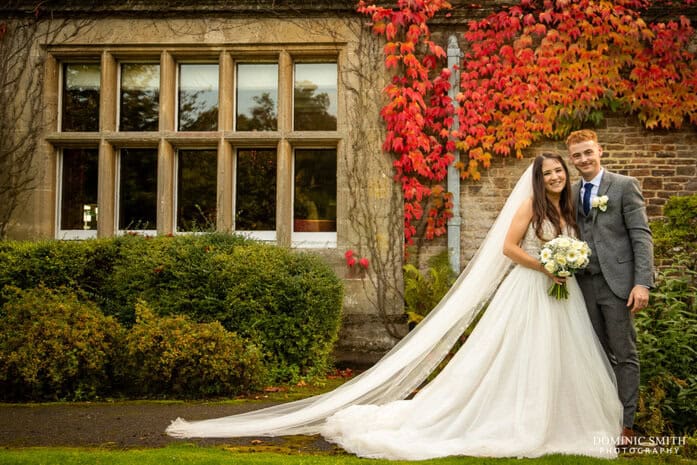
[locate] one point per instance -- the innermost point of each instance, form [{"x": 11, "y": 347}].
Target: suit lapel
[{"x": 576, "y": 192}]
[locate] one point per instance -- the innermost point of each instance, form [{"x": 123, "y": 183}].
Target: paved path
[{"x": 125, "y": 425}]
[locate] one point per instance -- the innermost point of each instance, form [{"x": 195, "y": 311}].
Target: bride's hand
[{"x": 556, "y": 279}]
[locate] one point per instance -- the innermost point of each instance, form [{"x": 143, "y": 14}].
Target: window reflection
[
  {"x": 79, "y": 189},
  {"x": 257, "y": 94},
  {"x": 80, "y": 109},
  {"x": 314, "y": 205},
  {"x": 138, "y": 189},
  {"x": 256, "y": 190},
  {"x": 140, "y": 95},
  {"x": 198, "y": 97},
  {"x": 315, "y": 97},
  {"x": 196, "y": 190}
]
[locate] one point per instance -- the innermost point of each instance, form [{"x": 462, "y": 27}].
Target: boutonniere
[{"x": 600, "y": 202}]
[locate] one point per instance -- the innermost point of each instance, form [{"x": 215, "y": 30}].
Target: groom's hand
[{"x": 638, "y": 298}]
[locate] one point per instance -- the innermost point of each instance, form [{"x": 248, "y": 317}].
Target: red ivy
[
  {"x": 542, "y": 68},
  {"x": 536, "y": 69},
  {"x": 419, "y": 113}
]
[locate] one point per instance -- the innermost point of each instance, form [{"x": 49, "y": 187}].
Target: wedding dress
[{"x": 531, "y": 379}]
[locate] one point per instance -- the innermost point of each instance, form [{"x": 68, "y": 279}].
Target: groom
[{"x": 611, "y": 216}]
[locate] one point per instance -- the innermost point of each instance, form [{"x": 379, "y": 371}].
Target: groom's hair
[{"x": 581, "y": 136}]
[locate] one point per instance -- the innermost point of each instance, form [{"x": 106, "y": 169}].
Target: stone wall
[{"x": 664, "y": 162}]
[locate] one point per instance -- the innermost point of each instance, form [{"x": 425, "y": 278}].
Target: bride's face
[{"x": 553, "y": 175}]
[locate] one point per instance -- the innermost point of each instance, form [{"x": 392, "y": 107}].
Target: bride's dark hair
[{"x": 541, "y": 206}]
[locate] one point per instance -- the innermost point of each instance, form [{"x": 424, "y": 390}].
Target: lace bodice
[{"x": 532, "y": 244}]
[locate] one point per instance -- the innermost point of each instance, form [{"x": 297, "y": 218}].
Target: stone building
[{"x": 256, "y": 116}]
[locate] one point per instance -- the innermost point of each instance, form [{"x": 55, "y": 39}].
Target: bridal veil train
[{"x": 531, "y": 379}]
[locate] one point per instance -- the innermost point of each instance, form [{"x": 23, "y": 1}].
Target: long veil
[{"x": 404, "y": 367}]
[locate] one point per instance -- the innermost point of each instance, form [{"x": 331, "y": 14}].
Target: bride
[{"x": 531, "y": 379}]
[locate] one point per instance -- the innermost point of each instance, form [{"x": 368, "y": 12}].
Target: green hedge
[
  {"x": 286, "y": 303},
  {"x": 56, "y": 347},
  {"x": 667, "y": 328},
  {"x": 53, "y": 346},
  {"x": 175, "y": 356}
]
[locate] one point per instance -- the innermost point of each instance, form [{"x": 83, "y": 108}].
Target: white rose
[
  {"x": 600, "y": 202},
  {"x": 564, "y": 274},
  {"x": 564, "y": 242},
  {"x": 550, "y": 266},
  {"x": 560, "y": 259}
]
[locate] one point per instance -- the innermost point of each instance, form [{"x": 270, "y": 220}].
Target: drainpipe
[{"x": 454, "y": 223}]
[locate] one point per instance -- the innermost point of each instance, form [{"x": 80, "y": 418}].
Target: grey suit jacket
[{"x": 623, "y": 243}]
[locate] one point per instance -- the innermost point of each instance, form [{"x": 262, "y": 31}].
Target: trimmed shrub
[
  {"x": 286, "y": 303},
  {"x": 289, "y": 302},
  {"x": 54, "y": 347},
  {"x": 175, "y": 356},
  {"x": 176, "y": 275}
]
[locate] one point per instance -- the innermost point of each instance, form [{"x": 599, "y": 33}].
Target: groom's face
[{"x": 585, "y": 156}]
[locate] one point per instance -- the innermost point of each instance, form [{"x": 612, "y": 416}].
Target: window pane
[
  {"x": 138, "y": 189},
  {"x": 79, "y": 189},
  {"x": 256, "y": 190},
  {"x": 257, "y": 94},
  {"x": 196, "y": 190},
  {"x": 140, "y": 97},
  {"x": 315, "y": 97},
  {"x": 314, "y": 206},
  {"x": 80, "y": 110},
  {"x": 198, "y": 97}
]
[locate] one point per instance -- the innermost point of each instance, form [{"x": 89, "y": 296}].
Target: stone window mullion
[
  {"x": 106, "y": 181},
  {"x": 165, "y": 153},
  {"x": 284, "y": 189},
  {"x": 226, "y": 200}
]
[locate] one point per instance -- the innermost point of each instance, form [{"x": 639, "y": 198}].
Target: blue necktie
[{"x": 587, "y": 189}]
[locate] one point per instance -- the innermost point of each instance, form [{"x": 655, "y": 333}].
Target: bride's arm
[{"x": 516, "y": 232}]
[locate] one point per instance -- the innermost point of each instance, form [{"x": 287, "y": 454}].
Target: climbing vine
[
  {"x": 419, "y": 113},
  {"x": 532, "y": 70},
  {"x": 543, "y": 68}
]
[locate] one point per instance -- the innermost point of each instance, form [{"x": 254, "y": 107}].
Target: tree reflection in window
[
  {"x": 314, "y": 206},
  {"x": 257, "y": 91},
  {"x": 138, "y": 189},
  {"x": 80, "y": 109},
  {"x": 256, "y": 190},
  {"x": 79, "y": 189},
  {"x": 315, "y": 97},
  {"x": 140, "y": 96},
  {"x": 197, "y": 172},
  {"x": 198, "y": 97}
]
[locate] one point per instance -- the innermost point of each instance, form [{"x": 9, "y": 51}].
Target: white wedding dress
[{"x": 531, "y": 379}]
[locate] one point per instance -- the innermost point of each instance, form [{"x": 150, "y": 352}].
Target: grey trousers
[{"x": 614, "y": 325}]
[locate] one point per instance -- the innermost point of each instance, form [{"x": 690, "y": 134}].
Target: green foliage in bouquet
[
  {"x": 54, "y": 346},
  {"x": 174, "y": 356}
]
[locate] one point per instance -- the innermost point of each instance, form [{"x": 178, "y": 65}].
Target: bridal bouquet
[{"x": 563, "y": 256}]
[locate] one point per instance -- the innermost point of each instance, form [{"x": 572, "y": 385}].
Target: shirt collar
[{"x": 598, "y": 177}]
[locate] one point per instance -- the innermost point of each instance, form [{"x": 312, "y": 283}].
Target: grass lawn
[{"x": 194, "y": 455}]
